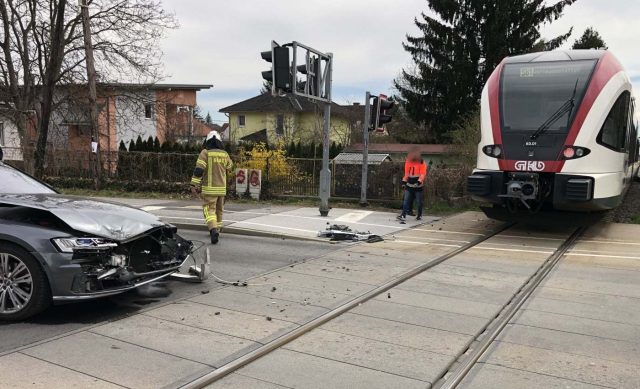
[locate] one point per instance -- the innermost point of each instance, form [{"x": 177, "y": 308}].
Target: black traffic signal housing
[
  {"x": 280, "y": 74},
  {"x": 312, "y": 71},
  {"x": 380, "y": 112}
]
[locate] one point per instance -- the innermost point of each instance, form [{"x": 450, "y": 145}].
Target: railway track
[{"x": 467, "y": 358}]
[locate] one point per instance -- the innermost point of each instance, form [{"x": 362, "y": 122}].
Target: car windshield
[
  {"x": 532, "y": 92},
  {"x": 15, "y": 182}
]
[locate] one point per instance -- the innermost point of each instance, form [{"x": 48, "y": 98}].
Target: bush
[{"x": 120, "y": 185}]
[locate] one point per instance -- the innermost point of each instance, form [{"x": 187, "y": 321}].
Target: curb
[{"x": 249, "y": 232}]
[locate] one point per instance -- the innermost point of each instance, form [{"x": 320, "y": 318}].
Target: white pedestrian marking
[
  {"x": 353, "y": 217},
  {"x": 150, "y": 208},
  {"x": 272, "y": 226}
]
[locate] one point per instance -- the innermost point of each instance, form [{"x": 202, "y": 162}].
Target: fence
[{"x": 171, "y": 172}]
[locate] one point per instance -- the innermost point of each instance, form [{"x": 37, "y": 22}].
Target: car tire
[{"x": 40, "y": 298}]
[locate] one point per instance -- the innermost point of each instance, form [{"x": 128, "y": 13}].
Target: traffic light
[
  {"x": 312, "y": 70},
  {"x": 380, "y": 112},
  {"x": 279, "y": 75}
]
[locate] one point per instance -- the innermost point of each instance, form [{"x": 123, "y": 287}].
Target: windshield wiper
[{"x": 566, "y": 107}]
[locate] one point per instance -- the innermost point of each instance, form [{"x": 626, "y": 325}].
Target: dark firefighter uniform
[{"x": 210, "y": 180}]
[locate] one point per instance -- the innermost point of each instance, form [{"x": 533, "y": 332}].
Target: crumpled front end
[{"x": 109, "y": 267}]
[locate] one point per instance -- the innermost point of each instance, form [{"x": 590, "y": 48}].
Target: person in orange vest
[
  {"x": 415, "y": 173},
  {"x": 210, "y": 182}
]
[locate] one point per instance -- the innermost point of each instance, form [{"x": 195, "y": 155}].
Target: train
[{"x": 559, "y": 132}]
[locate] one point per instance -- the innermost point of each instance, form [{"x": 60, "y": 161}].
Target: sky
[{"x": 219, "y": 41}]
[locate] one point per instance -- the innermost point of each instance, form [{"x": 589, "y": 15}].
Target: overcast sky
[{"x": 219, "y": 41}]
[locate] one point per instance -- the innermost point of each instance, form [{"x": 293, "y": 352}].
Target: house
[
  {"x": 434, "y": 154},
  {"x": 125, "y": 111},
  {"x": 267, "y": 118}
]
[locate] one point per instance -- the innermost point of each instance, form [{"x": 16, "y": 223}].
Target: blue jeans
[{"x": 411, "y": 194}]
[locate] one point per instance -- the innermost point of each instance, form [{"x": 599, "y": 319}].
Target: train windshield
[{"x": 531, "y": 93}]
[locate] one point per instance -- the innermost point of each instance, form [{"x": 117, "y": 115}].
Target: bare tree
[{"x": 42, "y": 47}]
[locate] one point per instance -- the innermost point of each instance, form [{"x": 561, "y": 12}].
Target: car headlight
[{"x": 69, "y": 245}]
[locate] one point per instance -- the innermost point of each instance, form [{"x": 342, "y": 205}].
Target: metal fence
[{"x": 280, "y": 176}]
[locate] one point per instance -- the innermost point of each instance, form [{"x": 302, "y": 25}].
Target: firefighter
[
  {"x": 210, "y": 182},
  {"x": 415, "y": 172}
]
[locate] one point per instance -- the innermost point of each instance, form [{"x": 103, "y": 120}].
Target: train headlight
[
  {"x": 573, "y": 152},
  {"x": 569, "y": 153},
  {"x": 494, "y": 151}
]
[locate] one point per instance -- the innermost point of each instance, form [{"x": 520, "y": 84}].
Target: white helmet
[{"x": 214, "y": 134}]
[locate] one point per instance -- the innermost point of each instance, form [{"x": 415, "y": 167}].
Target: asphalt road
[{"x": 236, "y": 257}]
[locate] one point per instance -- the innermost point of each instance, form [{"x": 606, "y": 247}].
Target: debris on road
[{"x": 342, "y": 232}]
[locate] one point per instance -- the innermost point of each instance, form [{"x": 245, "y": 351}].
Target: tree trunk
[{"x": 46, "y": 95}]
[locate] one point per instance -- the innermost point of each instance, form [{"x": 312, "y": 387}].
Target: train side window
[{"x": 613, "y": 134}]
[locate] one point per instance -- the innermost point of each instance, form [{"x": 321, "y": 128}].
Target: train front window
[{"x": 531, "y": 93}]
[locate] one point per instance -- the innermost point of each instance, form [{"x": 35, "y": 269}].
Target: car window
[{"x": 14, "y": 181}]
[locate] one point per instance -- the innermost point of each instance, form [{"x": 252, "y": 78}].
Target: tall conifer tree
[{"x": 458, "y": 48}]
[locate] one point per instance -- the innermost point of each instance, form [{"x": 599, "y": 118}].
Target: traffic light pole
[
  {"x": 283, "y": 77},
  {"x": 325, "y": 173},
  {"x": 365, "y": 149}
]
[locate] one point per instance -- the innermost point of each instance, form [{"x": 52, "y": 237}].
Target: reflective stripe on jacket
[
  {"x": 415, "y": 173},
  {"x": 211, "y": 172}
]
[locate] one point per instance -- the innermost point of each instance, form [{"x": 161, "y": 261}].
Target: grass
[
  {"x": 635, "y": 219},
  {"x": 437, "y": 209},
  {"x": 124, "y": 194}
]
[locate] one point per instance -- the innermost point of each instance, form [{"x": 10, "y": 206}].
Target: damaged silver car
[{"x": 56, "y": 248}]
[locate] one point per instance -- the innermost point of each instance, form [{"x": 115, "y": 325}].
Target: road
[{"x": 236, "y": 257}]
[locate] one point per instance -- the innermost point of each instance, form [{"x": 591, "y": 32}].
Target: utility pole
[
  {"x": 365, "y": 149},
  {"x": 325, "y": 173},
  {"x": 91, "y": 81}
]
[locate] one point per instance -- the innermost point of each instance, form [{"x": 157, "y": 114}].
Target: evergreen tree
[
  {"x": 122, "y": 146},
  {"x": 132, "y": 145},
  {"x": 156, "y": 145},
  {"x": 297, "y": 151},
  {"x": 149, "y": 144},
  {"x": 140, "y": 144},
  {"x": 165, "y": 147},
  {"x": 333, "y": 150},
  {"x": 208, "y": 119},
  {"x": 458, "y": 49},
  {"x": 591, "y": 39},
  {"x": 266, "y": 87}
]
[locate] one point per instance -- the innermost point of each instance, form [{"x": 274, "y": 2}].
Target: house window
[
  {"x": 148, "y": 111},
  {"x": 613, "y": 134},
  {"x": 280, "y": 124},
  {"x": 1, "y": 134},
  {"x": 241, "y": 120}
]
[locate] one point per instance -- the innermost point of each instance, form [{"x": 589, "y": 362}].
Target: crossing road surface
[{"x": 236, "y": 257}]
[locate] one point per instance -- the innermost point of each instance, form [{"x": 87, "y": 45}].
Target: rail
[
  {"x": 265, "y": 349},
  {"x": 468, "y": 359}
]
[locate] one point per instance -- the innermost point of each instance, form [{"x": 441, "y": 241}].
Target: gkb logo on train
[{"x": 529, "y": 166}]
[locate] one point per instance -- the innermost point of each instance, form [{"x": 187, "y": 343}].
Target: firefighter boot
[{"x": 215, "y": 235}]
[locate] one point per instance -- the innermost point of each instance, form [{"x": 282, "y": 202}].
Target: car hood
[{"x": 99, "y": 218}]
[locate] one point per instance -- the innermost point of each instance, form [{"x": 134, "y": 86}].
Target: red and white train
[{"x": 558, "y": 132}]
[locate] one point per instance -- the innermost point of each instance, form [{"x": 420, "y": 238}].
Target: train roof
[{"x": 557, "y": 55}]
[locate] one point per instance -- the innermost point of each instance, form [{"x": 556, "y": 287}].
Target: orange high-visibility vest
[{"x": 415, "y": 173}]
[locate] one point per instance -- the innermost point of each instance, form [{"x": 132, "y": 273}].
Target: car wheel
[{"x": 24, "y": 289}]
